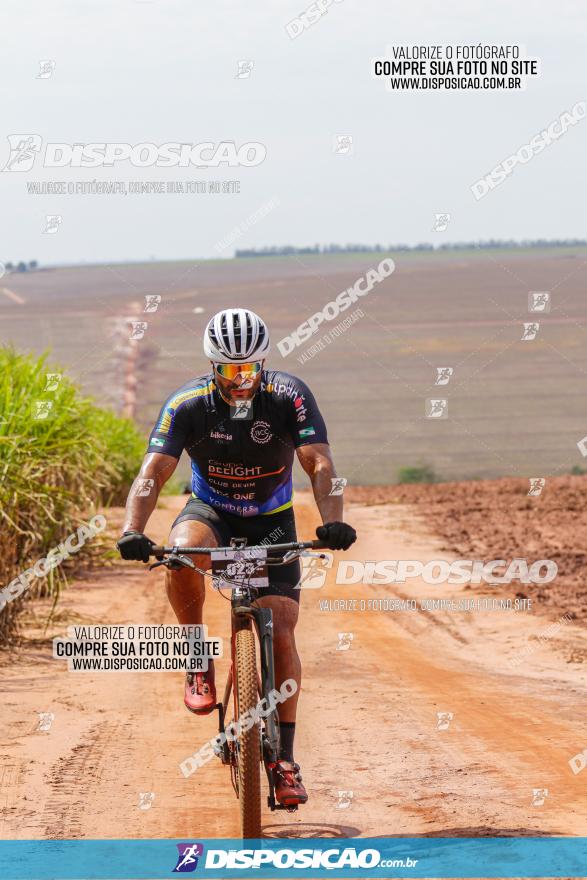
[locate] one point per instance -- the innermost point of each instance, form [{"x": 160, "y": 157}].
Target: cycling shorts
[{"x": 275, "y": 528}]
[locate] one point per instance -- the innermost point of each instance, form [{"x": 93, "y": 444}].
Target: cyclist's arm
[
  {"x": 142, "y": 498},
  {"x": 166, "y": 443},
  {"x": 316, "y": 460}
]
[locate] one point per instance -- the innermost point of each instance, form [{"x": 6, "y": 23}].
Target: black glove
[
  {"x": 135, "y": 545},
  {"x": 337, "y": 535}
]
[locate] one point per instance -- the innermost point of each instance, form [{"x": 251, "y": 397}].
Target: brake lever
[
  {"x": 157, "y": 564},
  {"x": 175, "y": 563}
]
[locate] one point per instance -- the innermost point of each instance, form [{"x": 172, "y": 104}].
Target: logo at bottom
[{"x": 187, "y": 860}]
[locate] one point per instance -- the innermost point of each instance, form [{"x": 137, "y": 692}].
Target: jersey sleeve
[
  {"x": 169, "y": 435},
  {"x": 305, "y": 419}
]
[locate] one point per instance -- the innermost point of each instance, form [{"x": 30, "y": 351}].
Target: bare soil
[
  {"x": 497, "y": 519},
  {"x": 368, "y": 720}
]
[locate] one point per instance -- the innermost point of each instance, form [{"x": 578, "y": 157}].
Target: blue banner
[{"x": 274, "y": 858}]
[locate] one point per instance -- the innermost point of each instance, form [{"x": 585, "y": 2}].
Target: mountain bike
[{"x": 244, "y": 571}]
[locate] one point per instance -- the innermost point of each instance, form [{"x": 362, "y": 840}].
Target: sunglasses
[{"x": 231, "y": 371}]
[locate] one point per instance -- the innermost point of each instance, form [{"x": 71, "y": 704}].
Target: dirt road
[{"x": 368, "y": 716}]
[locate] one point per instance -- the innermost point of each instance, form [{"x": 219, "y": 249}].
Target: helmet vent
[{"x": 236, "y": 335}]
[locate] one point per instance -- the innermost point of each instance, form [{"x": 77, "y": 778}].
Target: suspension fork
[
  {"x": 264, "y": 624},
  {"x": 263, "y": 620}
]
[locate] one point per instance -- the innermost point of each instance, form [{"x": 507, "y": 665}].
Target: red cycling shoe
[
  {"x": 200, "y": 691},
  {"x": 289, "y": 789}
]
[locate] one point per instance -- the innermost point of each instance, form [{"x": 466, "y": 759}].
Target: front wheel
[{"x": 249, "y": 745}]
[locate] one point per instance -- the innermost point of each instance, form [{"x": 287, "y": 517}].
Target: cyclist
[{"x": 240, "y": 425}]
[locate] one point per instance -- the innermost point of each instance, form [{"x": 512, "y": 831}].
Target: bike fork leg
[{"x": 264, "y": 624}]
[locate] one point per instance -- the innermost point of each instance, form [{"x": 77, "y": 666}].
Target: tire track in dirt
[
  {"x": 83, "y": 767},
  {"x": 11, "y": 776}
]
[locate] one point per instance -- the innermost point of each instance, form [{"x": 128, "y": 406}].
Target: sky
[{"x": 159, "y": 71}]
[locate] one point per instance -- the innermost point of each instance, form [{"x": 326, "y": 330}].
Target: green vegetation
[
  {"x": 61, "y": 457},
  {"x": 427, "y": 247},
  {"x": 421, "y": 474},
  {"x": 577, "y": 470}
]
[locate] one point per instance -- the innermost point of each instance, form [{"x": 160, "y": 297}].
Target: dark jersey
[{"x": 240, "y": 465}]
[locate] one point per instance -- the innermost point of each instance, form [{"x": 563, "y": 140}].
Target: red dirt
[
  {"x": 368, "y": 717},
  {"x": 496, "y": 519}
]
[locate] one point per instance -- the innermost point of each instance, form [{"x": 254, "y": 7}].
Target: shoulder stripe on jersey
[
  {"x": 176, "y": 401},
  {"x": 164, "y": 423}
]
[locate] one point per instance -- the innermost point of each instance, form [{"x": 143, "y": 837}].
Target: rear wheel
[{"x": 249, "y": 744}]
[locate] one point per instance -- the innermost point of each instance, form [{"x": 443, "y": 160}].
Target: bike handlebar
[{"x": 160, "y": 550}]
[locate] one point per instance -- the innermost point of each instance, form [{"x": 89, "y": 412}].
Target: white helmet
[{"x": 236, "y": 336}]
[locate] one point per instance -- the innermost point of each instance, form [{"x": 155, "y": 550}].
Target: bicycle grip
[{"x": 318, "y": 544}]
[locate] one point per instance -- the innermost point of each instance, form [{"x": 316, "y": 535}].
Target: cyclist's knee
[
  {"x": 193, "y": 533},
  {"x": 283, "y": 632},
  {"x": 285, "y": 612}
]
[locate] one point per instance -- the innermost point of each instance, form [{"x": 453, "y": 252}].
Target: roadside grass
[
  {"x": 417, "y": 474},
  {"x": 61, "y": 458}
]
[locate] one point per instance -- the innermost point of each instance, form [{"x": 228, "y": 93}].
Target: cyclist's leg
[
  {"x": 186, "y": 588},
  {"x": 286, "y": 658},
  {"x": 289, "y": 787},
  {"x": 198, "y": 525}
]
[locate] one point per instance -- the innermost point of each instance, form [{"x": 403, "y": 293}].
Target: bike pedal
[{"x": 275, "y": 806}]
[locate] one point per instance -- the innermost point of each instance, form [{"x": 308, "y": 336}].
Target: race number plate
[{"x": 239, "y": 568}]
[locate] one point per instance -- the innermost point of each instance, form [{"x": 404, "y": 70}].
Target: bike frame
[{"x": 244, "y": 614}]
